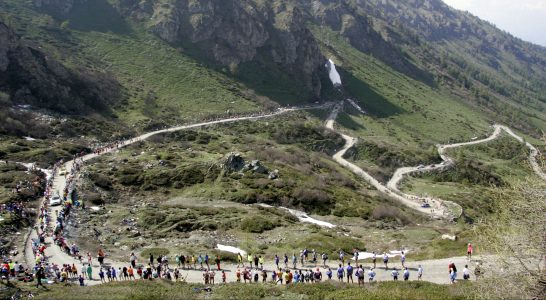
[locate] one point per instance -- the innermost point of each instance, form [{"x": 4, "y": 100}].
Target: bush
[
  {"x": 257, "y": 224},
  {"x": 392, "y": 213},
  {"x": 94, "y": 198},
  {"x": 313, "y": 199},
  {"x": 101, "y": 180}
]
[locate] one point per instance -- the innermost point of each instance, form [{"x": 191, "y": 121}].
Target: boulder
[{"x": 233, "y": 163}]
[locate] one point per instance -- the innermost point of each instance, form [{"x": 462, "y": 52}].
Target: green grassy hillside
[{"x": 328, "y": 290}]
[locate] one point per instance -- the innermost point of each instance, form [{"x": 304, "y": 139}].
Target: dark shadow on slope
[
  {"x": 97, "y": 15},
  {"x": 266, "y": 79},
  {"x": 372, "y": 102}
]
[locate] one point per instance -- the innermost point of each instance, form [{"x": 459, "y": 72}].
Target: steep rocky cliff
[
  {"x": 233, "y": 32},
  {"x": 31, "y": 77}
]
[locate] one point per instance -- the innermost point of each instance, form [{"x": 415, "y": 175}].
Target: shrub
[
  {"x": 257, "y": 224},
  {"x": 101, "y": 180},
  {"x": 390, "y": 212},
  {"x": 94, "y": 198}
]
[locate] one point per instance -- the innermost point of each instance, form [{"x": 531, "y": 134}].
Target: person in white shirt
[
  {"x": 371, "y": 275},
  {"x": 466, "y": 273},
  {"x": 394, "y": 274},
  {"x": 419, "y": 272}
]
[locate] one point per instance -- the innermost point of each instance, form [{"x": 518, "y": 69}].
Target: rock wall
[
  {"x": 236, "y": 31},
  {"x": 31, "y": 77}
]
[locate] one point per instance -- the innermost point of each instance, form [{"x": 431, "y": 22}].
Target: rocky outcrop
[
  {"x": 234, "y": 162},
  {"x": 31, "y": 77},
  {"x": 234, "y": 32}
]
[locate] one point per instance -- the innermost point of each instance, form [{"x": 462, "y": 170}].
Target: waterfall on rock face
[{"x": 334, "y": 75}]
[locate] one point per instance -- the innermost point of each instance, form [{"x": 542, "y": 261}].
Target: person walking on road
[
  {"x": 371, "y": 275},
  {"x": 349, "y": 273},
  {"x": 240, "y": 260},
  {"x": 133, "y": 259},
  {"x": 466, "y": 273},
  {"x": 89, "y": 272},
  {"x": 419, "y": 272},
  {"x": 469, "y": 250},
  {"x": 217, "y": 261},
  {"x": 406, "y": 274},
  {"x": 394, "y": 274},
  {"x": 340, "y": 273}
]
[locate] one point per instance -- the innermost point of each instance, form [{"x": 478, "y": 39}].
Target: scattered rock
[{"x": 274, "y": 174}]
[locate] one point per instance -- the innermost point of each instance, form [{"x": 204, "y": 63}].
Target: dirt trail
[
  {"x": 438, "y": 210},
  {"x": 439, "y": 207},
  {"x": 448, "y": 162}
]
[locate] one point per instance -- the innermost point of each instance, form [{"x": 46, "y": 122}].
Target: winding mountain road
[
  {"x": 448, "y": 162},
  {"x": 435, "y": 270},
  {"x": 439, "y": 208}
]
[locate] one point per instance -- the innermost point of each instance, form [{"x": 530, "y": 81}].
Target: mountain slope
[{"x": 176, "y": 60}]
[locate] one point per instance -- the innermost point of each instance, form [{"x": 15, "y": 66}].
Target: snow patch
[
  {"x": 303, "y": 217},
  {"x": 332, "y": 72},
  {"x": 230, "y": 249},
  {"x": 28, "y": 138}
]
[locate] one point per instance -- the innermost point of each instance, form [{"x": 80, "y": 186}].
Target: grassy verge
[{"x": 160, "y": 289}]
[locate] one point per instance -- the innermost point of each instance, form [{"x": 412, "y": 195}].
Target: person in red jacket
[{"x": 469, "y": 251}]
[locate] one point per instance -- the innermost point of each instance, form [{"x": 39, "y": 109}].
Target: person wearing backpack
[
  {"x": 349, "y": 273},
  {"x": 360, "y": 275},
  {"x": 406, "y": 274}
]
